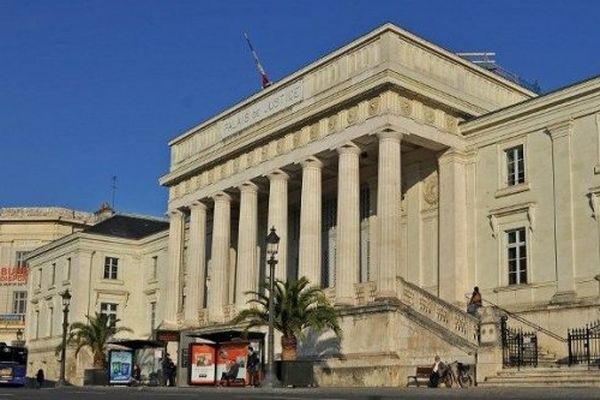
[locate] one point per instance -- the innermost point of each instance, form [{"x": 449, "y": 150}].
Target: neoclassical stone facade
[
  {"x": 23, "y": 229},
  {"x": 398, "y": 176}
]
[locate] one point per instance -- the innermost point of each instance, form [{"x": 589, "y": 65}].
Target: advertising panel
[
  {"x": 231, "y": 360},
  {"x": 202, "y": 363},
  {"x": 13, "y": 275},
  {"x": 120, "y": 364}
]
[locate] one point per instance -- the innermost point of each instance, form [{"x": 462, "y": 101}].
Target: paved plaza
[{"x": 297, "y": 394}]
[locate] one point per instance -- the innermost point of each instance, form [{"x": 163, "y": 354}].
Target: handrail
[{"x": 528, "y": 323}]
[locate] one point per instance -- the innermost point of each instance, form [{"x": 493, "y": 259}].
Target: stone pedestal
[{"x": 489, "y": 356}]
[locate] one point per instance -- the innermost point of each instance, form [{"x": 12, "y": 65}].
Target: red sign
[
  {"x": 231, "y": 360},
  {"x": 13, "y": 275},
  {"x": 202, "y": 364}
]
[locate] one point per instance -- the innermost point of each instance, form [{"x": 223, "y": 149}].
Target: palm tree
[
  {"x": 95, "y": 334},
  {"x": 298, "y": 308}
]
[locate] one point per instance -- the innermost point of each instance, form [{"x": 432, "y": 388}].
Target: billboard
[
  {"x": 120, "y": 364},
  {"x": 202, "y": 363},
  {"x": 231, "y": 360},
  {"x": 13, "y": 275}
]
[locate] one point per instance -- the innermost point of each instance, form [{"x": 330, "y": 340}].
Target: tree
[
  {"x": 95, "y": 334},
  {"x": 298, "y": 307}
]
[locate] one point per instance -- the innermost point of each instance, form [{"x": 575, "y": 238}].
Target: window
[
  {"x": 110, "y": 310},
  {"x": 19, "y": 302},
  {"x": 515, "y": 164},
  {"x": 20, "y": 259},
  {"x": 152, "y": 315},
  {"x": 39, "y": 279},
  {"x": 111, "y": 266},
  {"x": 68, "y": 269},
  {"x": 154, "y": 267},
  {"x": 50, "y": 321},
  {"x": 37, "y": 324},
  {"x": 517, "y": 256},
  {"x": 53, "y": 276}
]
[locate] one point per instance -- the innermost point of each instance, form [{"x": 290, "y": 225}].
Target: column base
[
  {"x": 386, "y": 295},
  {"x": 344, "y": 301},
  {"x": 565, "y": 297}
]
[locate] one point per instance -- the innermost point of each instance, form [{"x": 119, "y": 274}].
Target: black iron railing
[
  {"x": 584, "y": 344},
  {"x": 519, "y": 348}
]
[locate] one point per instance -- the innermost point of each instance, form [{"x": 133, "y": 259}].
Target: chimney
[{"x": 104, "y": 212}]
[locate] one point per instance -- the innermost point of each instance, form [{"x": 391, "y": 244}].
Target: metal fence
[
  {"x": 519, "y": 348},
  {"x": 584, "y": 344}
]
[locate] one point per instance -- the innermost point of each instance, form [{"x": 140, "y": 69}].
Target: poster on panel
[
  {"x": 231, "y": 360},
  {"x": 202, "y": 363},
  {"x": 120, "y": 364}
]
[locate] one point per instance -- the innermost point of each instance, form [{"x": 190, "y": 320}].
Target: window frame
[
  {"x": 518, "y": 175},
  {"x": 106, "y": 308},
  {"x": 111, "y": 268},
  {"x": 20, "y": 255},
  {"x": 519, "y": 245},
  {"x": 18, "y": 302}
]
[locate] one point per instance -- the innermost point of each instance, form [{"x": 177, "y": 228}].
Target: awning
[
  {"x": 228, "y": 336},
  {"x": 136, "y": 344}
]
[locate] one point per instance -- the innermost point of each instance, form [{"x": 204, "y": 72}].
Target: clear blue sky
[{"x": 92, "y": 89}]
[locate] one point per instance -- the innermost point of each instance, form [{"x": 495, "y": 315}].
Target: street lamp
[
  {"x": 19, "y": 337},
  {"x": 66, "y": 301},
  {"x": 272, "y": 250}
]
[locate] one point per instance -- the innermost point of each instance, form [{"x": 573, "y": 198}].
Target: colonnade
[{"x": 347, "y": 267}]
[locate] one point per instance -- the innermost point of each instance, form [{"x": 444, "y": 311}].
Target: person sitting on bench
[{"x": 439, "y": 371}]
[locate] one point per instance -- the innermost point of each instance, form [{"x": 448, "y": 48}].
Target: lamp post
[
  {"x": 66, "y": 301},
  {"x": 272, "y": 249},
  {"x": 19, "y": 342}
]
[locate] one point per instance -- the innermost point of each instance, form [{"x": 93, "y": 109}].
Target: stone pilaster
[
  {"x": 563, "y": 211},
  {"x": 196, "y": 267},
  {"x": 347, "y": 265},
  {"x": 453, "y": 278},
  {"x": 388, "y": 212},
  {"x": 489, "y": 355},
  {"x": 218, "y": 292},
  {"x": 278, "y": 217},
  {"x": 171, "y": 299},
  {"x": 247, "y": 268},
  {"x": 310, "y": 221}
]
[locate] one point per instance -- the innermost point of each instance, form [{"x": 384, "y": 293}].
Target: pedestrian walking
[{"x": 39, "y": 378}]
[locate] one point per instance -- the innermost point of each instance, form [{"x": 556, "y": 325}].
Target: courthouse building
[{"x": 398, "y": 176}]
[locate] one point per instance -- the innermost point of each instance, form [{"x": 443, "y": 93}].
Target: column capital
[
  {"x": 248, "y": 186},
  {"x": 221, "y": 197},
  {"x": 390, "y": 135},
  {"x": 175, "y": 212},
  {"x": 197, "y": 205},
  {"x": 453, "y": 154},
  {"x": 349, "y": 148},
  {"x": 559, "y": 129},
  {"x": 312, "y": 162},
  {"x": 278, "y": 175}
]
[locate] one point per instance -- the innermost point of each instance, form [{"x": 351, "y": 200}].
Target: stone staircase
[{"x": 555, "y": 376}]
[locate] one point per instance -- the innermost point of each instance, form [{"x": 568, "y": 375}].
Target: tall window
[
  {"x": 329, "y": 218},
  {"x": 50, "y": 321},
  {"x": 39, "y": 279},
  {"x": 68, "y": 269},
  {"x": 19, "y": 302},
  {"x": 152, "y": 315},
  {"x": 53, "y": 274},
  {"x": 154, "y": 267},
  {"x": 111, "y": 267},
  {"x": 515, "y": 164},
  {"x": 110, "y": 310},
  {"x": 20, "y": 259},
  {"x": 517, "y": 256},
  {"x": 37, "y": 324},
  {"x": 365, "y": 210}
]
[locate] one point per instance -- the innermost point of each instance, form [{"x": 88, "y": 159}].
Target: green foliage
[
  {"x": 95, "y": 334},
  {"x": 297, "y": 307}
]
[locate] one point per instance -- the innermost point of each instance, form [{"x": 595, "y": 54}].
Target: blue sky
[{"x": 92, "y": 89}]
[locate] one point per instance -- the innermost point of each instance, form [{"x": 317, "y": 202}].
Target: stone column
[
  {"x": 171, "y": 299},
  {"x": 247, "y": 267},
  {"x": 218, "y": 294},
  {"x": 563, "y": 211},
  {"x": 310, "y": 222},
  {"x": 278, "y": 217},
  {"x": 388, "y": 213},
  {"x": 196, "y": 267},
  {"x": 347, "y": 265},
  {"x": 453, "y": 276}
]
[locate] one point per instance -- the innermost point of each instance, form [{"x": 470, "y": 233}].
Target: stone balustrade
[
  {"x": 445, "y": 314},
  {"x": 365, "y": 292}
]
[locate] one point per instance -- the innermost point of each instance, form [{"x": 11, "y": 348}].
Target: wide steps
[{"x": 577, "y": 376}]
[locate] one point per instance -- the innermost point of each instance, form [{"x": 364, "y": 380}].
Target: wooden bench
[{"x": 422, "y": 374}]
